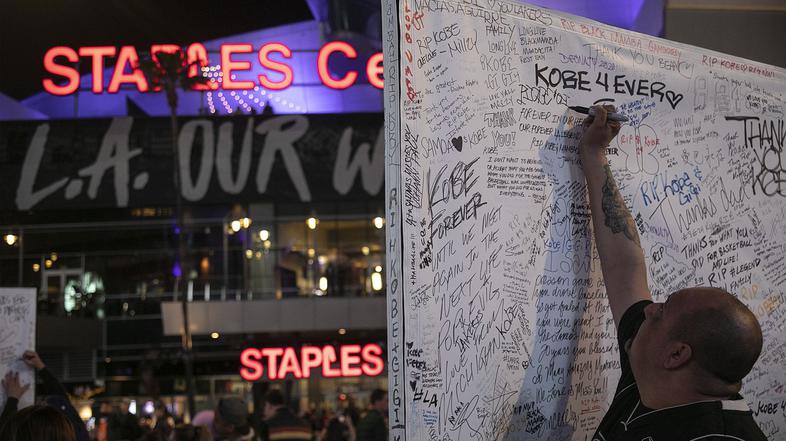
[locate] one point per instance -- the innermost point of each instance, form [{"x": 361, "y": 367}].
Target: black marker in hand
[{"x": 612, "y": 116}]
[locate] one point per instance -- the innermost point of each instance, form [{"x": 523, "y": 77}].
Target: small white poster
[{"x": 17, "y": 335}]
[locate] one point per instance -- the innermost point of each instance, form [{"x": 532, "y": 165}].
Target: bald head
[{"x": 723, "y": 333}]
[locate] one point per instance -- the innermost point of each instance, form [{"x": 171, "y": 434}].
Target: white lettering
[
  {"x": 26, "y": 196},
  {"x": 282, "y": 140},
  {"x": 345, "y": 172},
  {"x": 185, "y": 145}
]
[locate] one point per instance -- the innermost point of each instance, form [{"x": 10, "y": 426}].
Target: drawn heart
[
  {"x": 458, "y": 143},
  {"x": 413, "y": 385},
  {"x": 673, "y": 98},
  {"x": 409, "y": 344}
]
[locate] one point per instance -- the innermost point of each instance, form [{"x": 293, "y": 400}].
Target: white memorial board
[{"x": 499, "y": 328}]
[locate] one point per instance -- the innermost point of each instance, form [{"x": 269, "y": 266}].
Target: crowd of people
[{"x": 54, "y": 418}]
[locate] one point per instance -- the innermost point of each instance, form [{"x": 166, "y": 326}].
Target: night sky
[{"x": 29, "y": 27}]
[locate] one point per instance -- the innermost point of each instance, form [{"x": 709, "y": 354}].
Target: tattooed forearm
[{"x": 618, "y": 218}]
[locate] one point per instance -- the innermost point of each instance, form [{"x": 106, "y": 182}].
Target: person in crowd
[
  {"x": 310, "y": 416},
  {"x": 123, "y": 425},
  {"x": 351, "y": 411},
  {"x": 103, "y": 409},
  {"x": 230, "y": 420},
  {"x": 56, "y": 395},
  {"x": 188, "y": 432},
  {"x": 205, "y": 418},
  {"x": 282, "y": 424},
  {"x": 323, "y": 415},
  {"x": 160, "y": 425},
  {"x": 38, "y": 423},
  {"x": 155, "y": 435},
  {"x": 373, "y": 426},
  {"x": 339, "y": 428},
  {"x": 683, "y": 361}
]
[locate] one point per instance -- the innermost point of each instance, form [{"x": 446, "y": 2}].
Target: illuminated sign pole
[
  {"x": 278, "y": 363},
  {"x": 59, "y": 60}
]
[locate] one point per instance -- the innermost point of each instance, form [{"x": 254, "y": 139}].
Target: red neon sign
[
  {"x": 69, "y": 73},
  {"x": 349, "y": 361},
  {"x": 68, "y": 76},
  {"x": 322, "y": 65},
  {"x": 128, "y": 56},
  {"x": 98, "y": 53},
  {"x": 282, "y": 68}
]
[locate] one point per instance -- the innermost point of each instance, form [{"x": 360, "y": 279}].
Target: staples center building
[{"x": 281, "y": 165}]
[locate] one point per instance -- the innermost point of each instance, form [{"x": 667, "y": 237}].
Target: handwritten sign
[
  {"x": 499, "y": 326},
  {"x": 17, "y": 322}
]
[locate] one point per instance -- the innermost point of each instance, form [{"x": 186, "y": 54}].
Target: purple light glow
[{"x": 149, "y": 408}]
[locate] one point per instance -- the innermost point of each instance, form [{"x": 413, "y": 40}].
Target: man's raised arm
[{"x": 621, "y": 257}]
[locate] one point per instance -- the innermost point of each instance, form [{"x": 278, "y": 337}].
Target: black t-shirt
[{"x": 628, "y": 420}]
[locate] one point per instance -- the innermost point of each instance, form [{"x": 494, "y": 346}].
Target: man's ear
[{"x": 678, "y": 355}]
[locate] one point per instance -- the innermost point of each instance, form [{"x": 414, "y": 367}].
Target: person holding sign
[
  {"x": 57, "y": 401},
  {"x": 682, "y": 361},
  {"x": 14, "y": 389}
]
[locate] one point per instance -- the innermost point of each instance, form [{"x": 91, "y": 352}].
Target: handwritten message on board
[
  {"x": 17, "y": 335},
  {"x": 499, "y": 327}
]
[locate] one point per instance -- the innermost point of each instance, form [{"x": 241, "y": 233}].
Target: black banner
[{"x": 127, "y": 162}]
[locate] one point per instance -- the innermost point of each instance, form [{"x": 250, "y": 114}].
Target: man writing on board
[{"x": 682, "y": 361}]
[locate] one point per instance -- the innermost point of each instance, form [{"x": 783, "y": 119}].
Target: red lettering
[
  {"x": 328, "y": 358},
  {"x": 251, "y": 369},
  {"x": 289, "y": 364},
  {"x": 322, "y": 65},
  {"x": 272, "y": 362},
  {"x": 375, "y": 70},
  {"x": 227, "y": 65},
  {"x": 71, "y": 74},
  {"x": 350, "y": 355},
  {"x": 311, "y": 357},
  {"x": 266, "y": 62},
  {"x": 127, "y": 55},
  {"x": 568, "y": 24},
  {"x": 352, "y": 361},
  {"x": 197, "y": 58},
  {"x": 98, "y": 53},
  {"x": 372, "y": 355}
]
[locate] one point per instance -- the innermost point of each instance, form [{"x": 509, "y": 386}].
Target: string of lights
[{"x": 248, "y": 100}]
